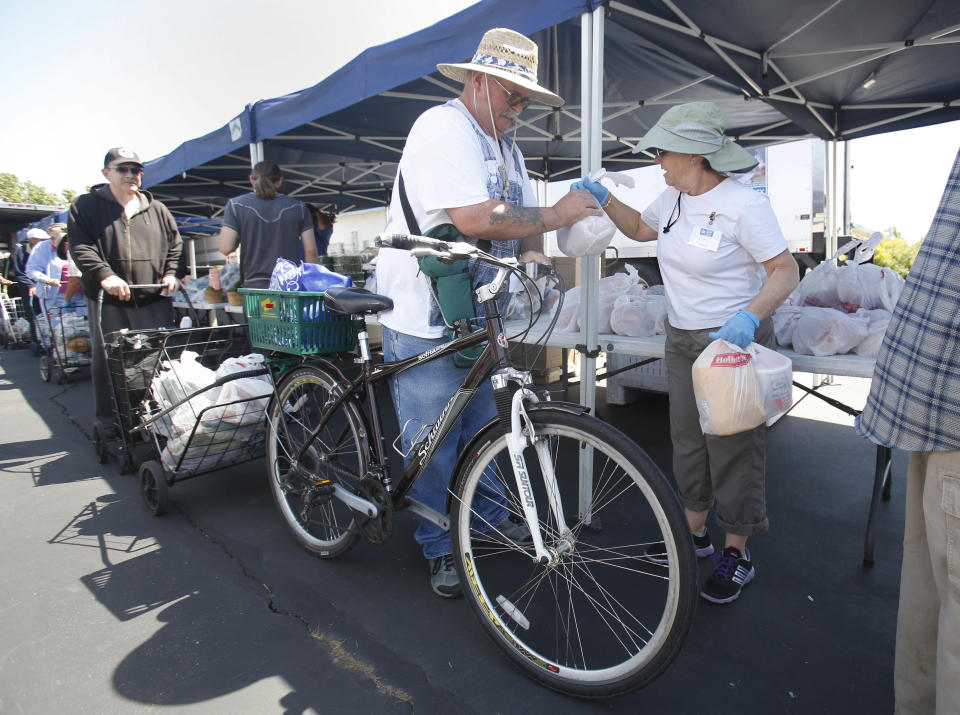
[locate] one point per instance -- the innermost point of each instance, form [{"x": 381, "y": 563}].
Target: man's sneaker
[
  {"x": 657, "y": 552},
  {"x": 515, "y": 529},
  {"x": 443, "y": 577},
  {"x": 734, "y": 571}
]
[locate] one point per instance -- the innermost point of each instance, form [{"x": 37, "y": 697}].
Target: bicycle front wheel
[
  {"x": 600, "y": 619},
  {"x": 303, "y": 489}
]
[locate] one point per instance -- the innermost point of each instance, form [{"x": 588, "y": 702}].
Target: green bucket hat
[{"x": 697, "y": 128}]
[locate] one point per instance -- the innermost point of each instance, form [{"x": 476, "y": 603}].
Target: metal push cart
[
  {"x": 14, "y": 324},
  {"x": 178, "y": 394},
  {"x": 64, "y": 335}
]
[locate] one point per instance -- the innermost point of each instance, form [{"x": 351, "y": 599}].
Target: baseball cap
[
  {"x": 121, "y": 155},
  {"x": 37, "y": 233}
]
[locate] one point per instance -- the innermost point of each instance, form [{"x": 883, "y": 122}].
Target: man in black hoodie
[{"x": 120, "y": 236}]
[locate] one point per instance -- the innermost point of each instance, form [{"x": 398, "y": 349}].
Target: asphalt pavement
[{"x": 213, "y": 608}]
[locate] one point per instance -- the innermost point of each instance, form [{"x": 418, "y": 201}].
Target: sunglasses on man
[
  {"x": 124, "y": 170},
  {"x": 513, "y": 98}
]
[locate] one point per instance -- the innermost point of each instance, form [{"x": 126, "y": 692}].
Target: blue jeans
[{"x": 420, "y": 394}]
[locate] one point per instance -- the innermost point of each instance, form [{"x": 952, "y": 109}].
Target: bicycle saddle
[{"x": 351, "y": 301}]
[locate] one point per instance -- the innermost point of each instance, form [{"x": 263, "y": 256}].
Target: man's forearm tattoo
[{"x": 519, "y": 214}]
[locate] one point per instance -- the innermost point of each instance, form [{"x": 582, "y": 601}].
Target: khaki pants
[
  {"x": 727, "y": 471},
  {"x": 927, "y": 668}
]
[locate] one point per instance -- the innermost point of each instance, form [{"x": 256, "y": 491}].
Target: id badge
[{"x": 705, "y": 238}]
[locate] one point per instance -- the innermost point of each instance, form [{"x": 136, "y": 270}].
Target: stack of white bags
[
  {"x": 626, "y": 307},
  {"x": 227, "y": 418},
  {"x": 840, "y": 309}
]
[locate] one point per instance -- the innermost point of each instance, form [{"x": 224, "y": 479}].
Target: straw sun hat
[
  {"x": 697, "y": 128},
  {"x": 508, "y": 55}
]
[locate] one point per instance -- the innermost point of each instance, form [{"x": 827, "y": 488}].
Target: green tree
[
  {"x": 34, "y": 194},
  {"x": 10, "y": 189},
  {"x": 894, "y": 252}
]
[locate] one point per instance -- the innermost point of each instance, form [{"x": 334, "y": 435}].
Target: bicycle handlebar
[{"x": 409, "y": 241}]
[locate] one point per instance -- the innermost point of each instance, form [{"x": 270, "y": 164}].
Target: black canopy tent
[{"x": 836, "y": 69}]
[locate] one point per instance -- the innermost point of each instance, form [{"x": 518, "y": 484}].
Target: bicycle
[{"x": 579, "y": 609}]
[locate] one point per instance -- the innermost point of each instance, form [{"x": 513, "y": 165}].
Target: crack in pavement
[
  {"x": 66, "y": 410},
  {"x": 339, "y": 653}
]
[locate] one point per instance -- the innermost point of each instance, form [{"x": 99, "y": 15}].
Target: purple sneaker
[{"x": 733, "y": 572}]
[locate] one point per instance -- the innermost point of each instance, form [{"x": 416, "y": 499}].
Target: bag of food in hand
[
  {"x": 587, "y": 237},
  {"x": 738, "y": 389}
]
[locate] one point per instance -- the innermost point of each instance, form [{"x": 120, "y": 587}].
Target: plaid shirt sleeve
[{"x": 914, "y": 400}]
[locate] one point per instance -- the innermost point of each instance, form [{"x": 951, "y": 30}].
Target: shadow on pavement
[{"x": 237, "y": 602}]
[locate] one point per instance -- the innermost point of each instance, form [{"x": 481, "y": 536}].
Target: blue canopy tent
[
  {"x": 779, "y": 72},
  {"x": 834, "y": 69}
]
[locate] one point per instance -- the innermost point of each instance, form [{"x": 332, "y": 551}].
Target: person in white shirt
[
  {"x": 459, "y": 167},
  {"x": 726, "y": 267},
  {"x": 45, "y": 269}
]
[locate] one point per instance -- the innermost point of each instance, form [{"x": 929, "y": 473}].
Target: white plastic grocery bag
[
  {"x": 738, "y": 389},
  {"x": 611, "y": 288},
  {"x": 826, "y": 331},
  {"x": 587, "y": 237},
  {"x": 639, "y": 314}
]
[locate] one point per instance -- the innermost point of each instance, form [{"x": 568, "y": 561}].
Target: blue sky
[{"x": 81, "y": 77}]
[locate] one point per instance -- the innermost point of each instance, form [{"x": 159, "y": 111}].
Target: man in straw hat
[
  {"x": 726, "y": 267},
  {"x": 459, "y": 171}
]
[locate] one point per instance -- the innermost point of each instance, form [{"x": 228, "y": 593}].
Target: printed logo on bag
[
  {"x": 730, "y": 359},
  {"x": 268, "y": 308}
]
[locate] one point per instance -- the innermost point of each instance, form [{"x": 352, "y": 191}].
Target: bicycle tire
[
  {"x": 601, "y": 620},
  {"x": 321, "y": 524}
]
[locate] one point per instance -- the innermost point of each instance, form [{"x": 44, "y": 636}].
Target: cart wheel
[
  {"x": 45, "y": 369},
  {"x": 153, "y": 487},
  {"x": 100, "y": 442}
]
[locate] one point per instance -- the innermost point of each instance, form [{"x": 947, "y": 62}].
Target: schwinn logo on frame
[
  {"x": 431, "y": 440},
  {"x": 430, "y": 352},
  {"x": 730, "y": 359}
]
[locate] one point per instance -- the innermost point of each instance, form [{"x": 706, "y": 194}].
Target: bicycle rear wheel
[
  {"x": 600, "y": 619},
  {"x": 338, "y": 456}
]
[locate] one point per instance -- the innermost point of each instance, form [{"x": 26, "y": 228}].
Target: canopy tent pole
[
  {"x": 256, "y": 153},
  {"x": 591, "y": 96},
  {"x": 847, "y": 228}
]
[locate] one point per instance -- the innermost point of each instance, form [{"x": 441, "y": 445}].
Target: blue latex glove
[
  {"x": 599, "y": 191},
  {"x": 739, "y": 329}
]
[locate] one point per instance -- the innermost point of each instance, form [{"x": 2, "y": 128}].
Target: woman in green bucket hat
[{"x": 725, "y": 267}]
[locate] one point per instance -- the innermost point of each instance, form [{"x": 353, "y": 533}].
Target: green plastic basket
[{"x": 296, "y": 323}]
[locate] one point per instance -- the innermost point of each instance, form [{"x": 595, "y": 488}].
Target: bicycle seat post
[{"x": 363, "y": 340}]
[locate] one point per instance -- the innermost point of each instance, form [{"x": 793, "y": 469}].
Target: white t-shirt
[
  {"x": 710, "y": 259},
  {"x": 444, "y": 165}
]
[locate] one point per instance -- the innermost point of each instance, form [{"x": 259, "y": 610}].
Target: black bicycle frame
[{"x": 494, "y": 355}]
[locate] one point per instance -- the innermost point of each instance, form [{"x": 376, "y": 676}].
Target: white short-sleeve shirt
[
  {"x": 710, "y": 258},
  {"x": 443, "y": 166}
]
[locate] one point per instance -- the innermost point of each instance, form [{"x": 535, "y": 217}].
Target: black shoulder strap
[{"x": 412, "y": 225}]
